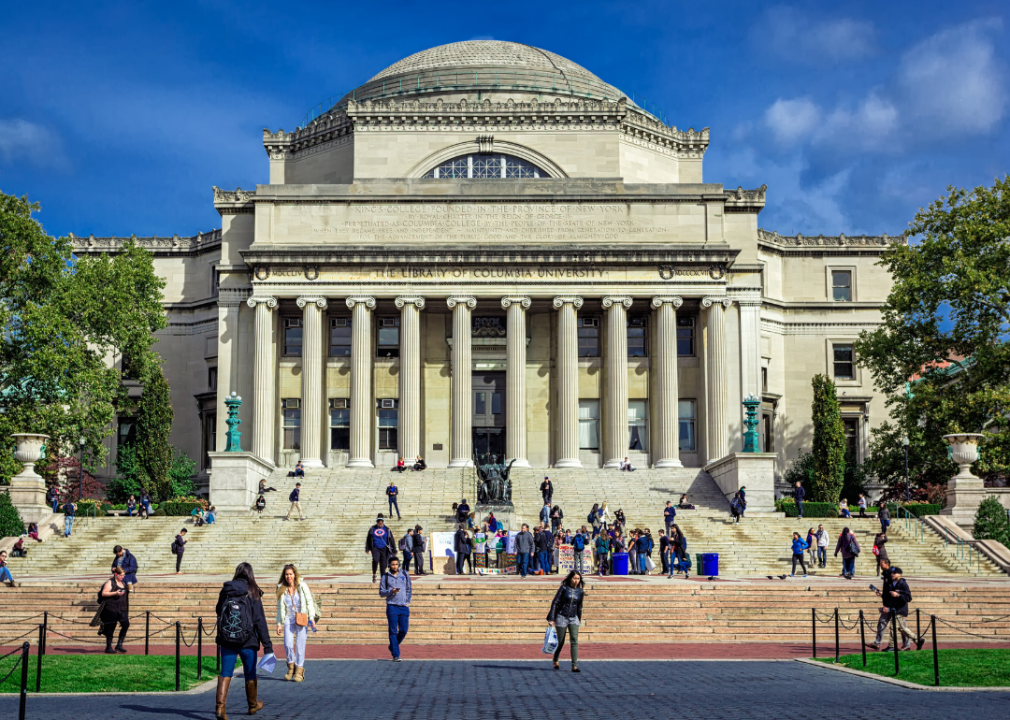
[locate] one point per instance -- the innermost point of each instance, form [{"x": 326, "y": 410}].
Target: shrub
[
  {"x": 917, "y": 509},
  {"x": 180, "y": 475},
  {"x": 810, "y": 509},
  {"x": 10, "y": 519},
  {"x": 181, "y": 506},
  {"x": 991, "y": 521}
]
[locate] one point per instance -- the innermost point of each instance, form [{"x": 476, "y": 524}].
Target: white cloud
[
  {"x": 793, "y": 121},
  {"x": 954, "y": 80},
  {"x": 797, "y": 36},
  {"x": 30, "y": 142},
  {"x": 800, "y": 121}
]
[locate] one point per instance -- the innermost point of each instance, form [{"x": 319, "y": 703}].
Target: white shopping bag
[
  {"x": 649, "y": 565},
  {"x": 267, "y": 663},
  {"x": 550, "y": 640}
]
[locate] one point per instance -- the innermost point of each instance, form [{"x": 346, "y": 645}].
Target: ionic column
[
  {"x": 312, "y": 380},
  {"x": 264, "y": 368},
  {"x": 362, "y": 411},
  {"x": 410, "y": 376},
  {"x": 718, "y": 377},
  {"x": 568, "y": 381},
  {"x": 668, "y": 452},
  {"x": 617, "y": 378},
  {"x": 461, "y": 437},
  {"x": 515, "y": 379}
]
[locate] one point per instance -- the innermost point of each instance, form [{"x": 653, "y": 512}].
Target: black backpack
[
  {"x": 853, "y": 547},
  {"x": 236, "y": 621}
]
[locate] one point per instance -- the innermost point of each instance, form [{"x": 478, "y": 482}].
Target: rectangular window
[
  {"x": 638, "y": 437},
  {"x": 686, "y": 415},
  {"x": 212, "y": 378},
  {"x": 340, "y": 337},
  {"x": 850, "y": 426},
  {"x": 215, "y": 281},
  {"x": 293, "y": 337},
  {"x": 127, "y": 430},
  {"x": 496, "y": 403},
  {"x": 292, "y": 423},
  {"x": 589, "y": 337},
  {"x": 388, "y": 345},
  {"x": 480, "y": 403},
  {"x": 764, "y": 379},
  {"x": 340, "y": 424},
  {"x": 685, "y": 336},
  {"x": 767, "y": 433},
  {"x": 388, "y": 423},
  {"x": 589, "y": 424},
  {"x": 638, "y": 337},
  {"x": 841, "y": 285},
  {"x": 209, "y": 436},
  {"x": 844, "y": 365}
]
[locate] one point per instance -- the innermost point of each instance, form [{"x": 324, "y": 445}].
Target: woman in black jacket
[
  {"x": 241, "y": 628},
  {"x": 566, "y": 615}
]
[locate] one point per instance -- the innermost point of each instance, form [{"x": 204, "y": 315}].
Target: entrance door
[{"x": 489, "y": 414}]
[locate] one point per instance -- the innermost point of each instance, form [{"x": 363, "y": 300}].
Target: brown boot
[
  {"x": 223, "y": 683},
  {"x": 250, "y": 695},
  {"x": 291, "y": 671},
  {"x": 299, "y": 674}
]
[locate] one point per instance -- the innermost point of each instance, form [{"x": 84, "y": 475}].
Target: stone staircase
[
  {"x": 341, "y": 505},
  {"x": 491, "y": 612}
]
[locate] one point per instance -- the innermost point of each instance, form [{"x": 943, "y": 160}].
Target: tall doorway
[{"x": 489, "y": 414}]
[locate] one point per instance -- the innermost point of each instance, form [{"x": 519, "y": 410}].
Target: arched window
[{"x": 487, "y": 167}]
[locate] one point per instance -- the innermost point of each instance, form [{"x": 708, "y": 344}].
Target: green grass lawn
[
  {"x": 958, "y": 668},
  {"x": 109, "y": 673}
]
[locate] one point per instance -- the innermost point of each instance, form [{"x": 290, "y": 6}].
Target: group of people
[
  {"x": 419, "y": 464},
  {"x": 816, "y": 543}
]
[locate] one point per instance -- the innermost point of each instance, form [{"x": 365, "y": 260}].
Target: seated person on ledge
[
  {"x": 33, "y": 532},
  {"x": 264, "y": 488},
  {"x": 210, "y": 516},
  {"x": 401, "y": 465},
  {"x": 298, "y": 472},
  {"x": 462, "y": 510},
  {"x": 197, "y": 514},
  {"x": 626, "y": 465},
  {"x": 261, "y": 502},
  {"x": 419, "y": 464},
  {"x": 19, "y": 548},
  {"x": 684, "y": 504}
]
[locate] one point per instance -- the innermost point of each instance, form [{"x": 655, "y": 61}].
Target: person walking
[
  {"x": 115, "y": 603},
  {"x": 880, "y": 551},
  {"x": 565, "y": 615},
  {"x": 296, "y": 613},
  {"x": 124, "y": 559},
  {"x": 418, "y": 551},
  {"x": 145, "y": 502},
  {"x": 547, "y": 490},
  {"x": 664, "y": 551},
  {"x": 396, "y": 588},
  {"x": 406, "y": 546},
  {"x": 460, "y": 547},
  {"x": 178, "y": 548},
  {"x": 822, "y": 546},
  {"x": 295, "y": 499},
  {"x": 669, "y": 516},
  {"x": 884, "y": 516},
  {"x": 241, "y": 629},
  {"x": 895, "y": 598},
  {"x": 545, "y": 551},
  {"x": 377, "y": 543},
  {"x": 579, "y": 550},
  {"x": 524, "y": 549},
  {"x": 678, "y": 553},
  {"x": 849, "y": 547},
  {"x": 799, "y": 493},
  {"x": 862, "y": 506},
  {"x": 602, "y": 547},
  {"x": 392, "y": 492},
  {"x": 811, "y": 540},
  {"x": 69, "y": 508},
  {"x": 799, "y": 546},
  {"x": 53, "y": 497},
  {"x": 738, "y": 505}
]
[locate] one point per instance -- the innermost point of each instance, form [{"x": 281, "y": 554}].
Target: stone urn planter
[
  {"x": 28, "y": 489},
  {"x": 964, "y": 491}
]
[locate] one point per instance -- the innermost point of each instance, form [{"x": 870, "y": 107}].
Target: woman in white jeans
[{"x": 295, "y": 613}]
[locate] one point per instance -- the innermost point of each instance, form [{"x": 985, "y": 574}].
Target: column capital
[
  {"x": 561, "y": 300},
  {"x": 708, "y": 302},
  {"x": 469, "y": 300},
  {"x": 319, "y": 302},
  {"x": 508, "y": 300},
  {"x": 410, "y": 300},
  {"x": 624, "y": 300},
  {"x": 661, "y": 300},
  {"x": 367, "y": 300},
  {"x": 268, "y": 300}
]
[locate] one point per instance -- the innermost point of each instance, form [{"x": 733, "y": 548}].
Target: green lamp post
[
  {"x": 233, "y": 402},
  {"x": 750, "y": 421}
]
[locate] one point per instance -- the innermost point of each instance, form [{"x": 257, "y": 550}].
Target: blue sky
[{"x": 119, "y": 116}]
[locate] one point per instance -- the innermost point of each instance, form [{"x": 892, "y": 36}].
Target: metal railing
[
  {"x": 960, "y": 549},
  {"x": 491, "y": 80}
]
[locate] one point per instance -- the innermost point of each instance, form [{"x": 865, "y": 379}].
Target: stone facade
[{"x": 481, "y": 250}]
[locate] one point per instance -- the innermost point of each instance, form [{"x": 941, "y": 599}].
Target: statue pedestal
[
  {"x": 28, "y": 488},
  {"x": 965, "y": 491},
  {"x": 234, "y": 481},
  {"x": 755, "y": 471}
]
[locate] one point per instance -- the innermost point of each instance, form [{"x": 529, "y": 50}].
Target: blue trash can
[
  {"x": 619, "y": 564},
  {"x": 709, "y": 564}
]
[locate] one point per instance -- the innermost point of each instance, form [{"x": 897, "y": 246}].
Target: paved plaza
[{"x": 504, "y": 690}]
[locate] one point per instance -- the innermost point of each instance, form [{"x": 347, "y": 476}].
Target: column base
[
  {"x": 360, "y": 463},
  {"x": 519, "y": 463},
  {"x": 568, "y": 463},
  {"x": 669, "y": 463},
  {"x": 315, "y": 463},
  {"x": 614, "y": 464},
  {"x": 461, "y": 462}
]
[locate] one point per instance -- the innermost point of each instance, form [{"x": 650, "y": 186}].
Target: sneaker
[
  {"x": 804, "y": 576},
  {"x": 905, "y": 647},
  {"x": 873, "y": 646},
  {"x": 397, "y": 659},
  {"x": 886, "y": 648}
]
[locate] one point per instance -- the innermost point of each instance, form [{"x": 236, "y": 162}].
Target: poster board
[
  {"x": 443, "y": 559},
  {"x": 566, "y": 559}
]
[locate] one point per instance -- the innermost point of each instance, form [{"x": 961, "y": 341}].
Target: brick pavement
[{"x": 509, "y": 690}]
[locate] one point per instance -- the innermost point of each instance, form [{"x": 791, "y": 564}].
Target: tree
[
  {"x": 991, "y": 521},
  {"x": 941, "y": 353},
  {"x": 11, "y": 524},
  {"x": 154, "y": 425},
  {"x": 829, "y": 442},
  {"x": 63, "y": 318},
  {"x": 181, "y": 476}
]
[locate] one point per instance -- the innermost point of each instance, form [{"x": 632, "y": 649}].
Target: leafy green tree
[
  {"x": 991, "y": 521},
  {"x": 63, "y": 317},
  {"x": 181, "y": 476},
  {"x": 126, "y": 483},
  {"x": 829, "y": 442},
  {"x": 946, "y": 324},
  {"x": 154, "y": 425},
  {"x": 11, "y": 524}
]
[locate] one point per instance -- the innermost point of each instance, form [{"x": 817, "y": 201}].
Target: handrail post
[
  {"x": 936, "y": 660},
  {"x": 38, "y": 653},
  {"x": 813, "y": 625},
  {"x": 178, "y": 634},
  {"x": 836, "y": 634},
  {"x": 918, "y": 625},
  {"x": 147, "y": 633},
  {"x": 894, "y": 635},
  {"x": 199, "y": 647},
  {"x": 45, "y": 631},
  {"x": 24, "y": 680},
  {"x": 862, "y": 635}
]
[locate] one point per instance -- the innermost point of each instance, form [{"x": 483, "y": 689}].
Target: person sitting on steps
[{"x": 419, "y": 463}]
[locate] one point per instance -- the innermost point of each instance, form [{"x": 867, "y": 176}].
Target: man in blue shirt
[
  {"x": 378, "y": 543},
  {"x": 669, "y": 515},
  {"x": 391, "y": 492},
  {"x": 395, "y": 587},
  {"x": 294, "y": 497}
]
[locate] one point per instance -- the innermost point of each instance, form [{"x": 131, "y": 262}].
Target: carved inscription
[{"x": 548, "y": 222}]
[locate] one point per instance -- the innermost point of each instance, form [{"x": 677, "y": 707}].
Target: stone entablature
[
  {"x": 768, "y": 240},
  {"x": 175, "y": 245}
]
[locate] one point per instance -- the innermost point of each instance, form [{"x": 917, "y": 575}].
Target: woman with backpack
[
  {"x": 296, "y": 613},
  {"x": 594, "y": 519},
  {"x": 241, "y": 628},
  {"x": 849, "y": 547}
]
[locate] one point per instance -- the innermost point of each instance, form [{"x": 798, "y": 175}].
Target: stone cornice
[
  {"x": 233, "y": 202},
  {"x": 831, "y": 243},
  {"x": 741, "y": 200},
  {"x": 160, "y": 246}
]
